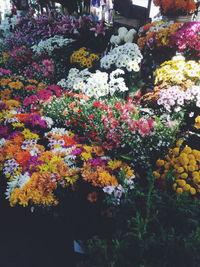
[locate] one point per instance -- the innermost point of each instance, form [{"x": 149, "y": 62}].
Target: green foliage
[{"x": 152, "y": 228}]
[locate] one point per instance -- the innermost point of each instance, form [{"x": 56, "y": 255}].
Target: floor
[{"x": 29, "y": 240}]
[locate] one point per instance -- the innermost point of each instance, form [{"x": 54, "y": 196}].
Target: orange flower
[
  {"x": 141, "y": 42},
  {"x": 98, "y": 151},
  {"x": 5, "y": 94},
  {"x": 22, "y": 157},
  {"x": 16, "y": 85},
  {"x": 18, "y": 140},
  {"x": 46, "y": 156},
  {"x": 92, "y": 197},
  {"x": 22, "y": 117},
  {"x": 69, "y": 141},
  {"x": 4, "y": 81}
]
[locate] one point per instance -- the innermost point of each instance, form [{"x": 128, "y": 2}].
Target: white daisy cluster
[
  {"x": 57, "y": 131},
  {"x": 49, "y": 45},
  {"x": 124, "y": 36},
  {"x": 48, "y": 121},
  {"x": 175, "y": 98},
  {"x": 96, "y": 84},
  {"x": 7, "y": 24},
  {"x": 17, "y": 182},
  {"x": 116, "y": 192},
  {"x": 127, "y": 56}
]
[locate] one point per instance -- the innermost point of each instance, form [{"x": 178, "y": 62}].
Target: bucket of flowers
[{"x": 181, "y": 10}]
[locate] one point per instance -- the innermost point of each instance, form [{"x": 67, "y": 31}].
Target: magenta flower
[
  {"x": 44, "y": 94},
  {"x": 99, "y": 29}
]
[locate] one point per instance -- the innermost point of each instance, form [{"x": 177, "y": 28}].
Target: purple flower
[
  {"x": 96, "y": 162},
  {"x": 77, "y": 151}
]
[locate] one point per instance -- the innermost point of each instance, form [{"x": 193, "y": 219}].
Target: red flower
[
  {"x": 96, "y": 104},
  {"x": 91, "y": 116}
]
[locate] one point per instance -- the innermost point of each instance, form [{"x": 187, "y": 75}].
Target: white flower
[
  {"x": 49, "y": 45},
  {"x": 122, "y": 31},
  {"x": 2, "y": 142},
  {"x": 18, "y": 182}
]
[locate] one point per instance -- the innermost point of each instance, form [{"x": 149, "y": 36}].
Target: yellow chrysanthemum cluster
[
  {"x": 83, "y": 58},
  {"x": 177, "y": 71},
  {"x": 185, "y": 163}
]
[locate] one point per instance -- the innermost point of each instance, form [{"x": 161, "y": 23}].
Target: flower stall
[{"x": 100, "y": 131}]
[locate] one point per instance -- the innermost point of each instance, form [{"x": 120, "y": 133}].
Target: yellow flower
[
  {"x": 186, "y": 187},
  {"x": 114, "y": 164},
  {"x": 72, "y": 179},
  {"x": 18, "y": 125},
  {"x": 175, "y": 151},
  {"x": 106, "y": 179},
  {"x": 4, "y": 81},
  {"x": 15, "y": 85},
  {"x": 88, "y": 148},
  {"x": 29, "y": 135},
  {"x": 193, "y": 191},
  {"x": 187, "y": 150},
  {"x": 195, "y": 174},
  {"x": 160, "y": 162},
  {"x": 179, "y": 190},
  {"x": 174, "y": 186},
  {"x": 179, "y": 143},
  {"x": 86, "y": 156},
  {"x": 184, "y": 175},
  {"x": 197, "y": 122},
  {"x": 156, "y": 174},
  {"x": 180, "y": 169},
  {"x": 191, "y": 168},
  {"x": 181, "y": 183}
]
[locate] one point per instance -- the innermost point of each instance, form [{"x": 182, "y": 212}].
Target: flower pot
[{"x": 186, "y": 18}]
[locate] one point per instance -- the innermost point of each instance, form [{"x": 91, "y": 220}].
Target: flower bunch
[
  {"x": 187, "y": 40},
  {"x": 175, "y": 99},
  {"x": 127, "y": 56},
  {"x": 147, "y": 32},
  {"x": 177, "y": 72},
  {"x": 84, "y": 58},
  {"x": 184, "y": 163},
  {"x": 49, "y": 45},
  {"x": 124, "y": 36},
  {"x": 42, "y": 70},
  {"x": 116, "y": 125},
  {"x": 96, "y": 84},
  {"x": 29, "y": 92},
  {"x": 4, "y": 72},
  {"x": 20, "y": 56},
  {"x": 35, "y": 172},
  {"x": 172, "y": 7}
]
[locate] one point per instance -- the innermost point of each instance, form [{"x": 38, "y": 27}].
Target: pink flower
[
  {"x": 26, "y": 101},
  {"x": 132, "y": 125},
  {"x": 17, "y": 98},
  {"x": 143, "y": 127},
  {"x": 44, "y": 94},
  {"x": 30, "y": 100}
]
